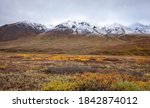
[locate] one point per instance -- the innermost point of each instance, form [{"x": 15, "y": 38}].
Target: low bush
[
  {"x": 69, "y": 69},
  {"x": 90, "y": 82},
  {"x": 125, "y": 86}
]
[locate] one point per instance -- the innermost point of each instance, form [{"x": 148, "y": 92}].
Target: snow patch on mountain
[
  {"x": 85, "y": 28},
  {"x": 27, "y": 24},
  {"x": 117, "y": 29},
  {"x": 139, "y": 28},
  {"x": 77, "y": 27},
  {"x": 113, "y": 29}
]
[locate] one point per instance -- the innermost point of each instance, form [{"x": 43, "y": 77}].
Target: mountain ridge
[
  {"x": 20, "y": 29},
  {"x": 114, "y": 29},
  {"x": 25, "y": 28}
]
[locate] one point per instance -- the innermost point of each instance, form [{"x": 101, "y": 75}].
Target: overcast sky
[{"x": 57, "y": 11}]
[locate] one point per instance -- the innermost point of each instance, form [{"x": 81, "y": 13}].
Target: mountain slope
[
  {"x": 20, "y": 29},
  {"x": 70, "y": 44}
]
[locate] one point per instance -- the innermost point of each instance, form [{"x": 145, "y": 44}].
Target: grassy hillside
[{"x": 62, "y": 44}]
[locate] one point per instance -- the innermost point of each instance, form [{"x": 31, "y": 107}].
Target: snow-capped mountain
[
  {"x": 76, "y": 27},
  {"x": 139, "y": 28},
  {"x": 20, "y": 29},
  {"x": 35, "y": 26},
  {"x": 81, "y": 28},
  {"x": 113, "y": 29},
  {"x": 25, "y": 28},
  {"x": 117, "y": 29}
]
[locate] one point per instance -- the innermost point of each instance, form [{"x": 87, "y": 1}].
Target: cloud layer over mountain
[{"x": 57, "y": 11}]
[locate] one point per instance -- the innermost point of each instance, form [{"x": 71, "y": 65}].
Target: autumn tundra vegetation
[
  {"x": 64, "y": 72},
  {"x": 58, "y": 60}
]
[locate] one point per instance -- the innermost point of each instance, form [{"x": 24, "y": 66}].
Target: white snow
[
  {"x": 140, "y": 28},
  {"x": 38, "y": 27},
  {"x": 87, "y": 28}
]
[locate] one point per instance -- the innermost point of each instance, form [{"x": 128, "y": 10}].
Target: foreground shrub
[
  {"x": 2, "y": 67},
  {"x": 58, "y": 85},
  {"x": 70, "y": 69},
  {"x": 80, "y": 85},
  {"x": 125, "y": 86},
  {"x": 87, "y": 82}
]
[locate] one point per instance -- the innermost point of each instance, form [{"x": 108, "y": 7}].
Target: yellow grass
[
  {"x": 60, "y": 57},
  {"x": 84, "y": 58}
]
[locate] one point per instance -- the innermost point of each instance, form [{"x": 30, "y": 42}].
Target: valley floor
[{"x": 55, "y": 72}]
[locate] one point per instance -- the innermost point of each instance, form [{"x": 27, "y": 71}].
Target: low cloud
[{"x": 56, "y": 11}]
